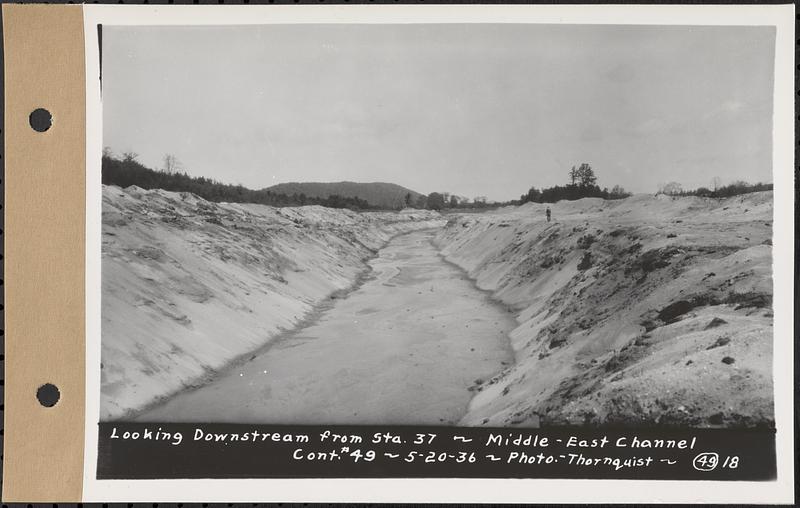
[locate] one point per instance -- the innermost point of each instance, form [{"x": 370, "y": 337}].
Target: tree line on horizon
[
  {"x": 717, "y": 190},
  {"x": 582, "y": 184},
  {"x": 126, "y": 170},
  {"x": 446, "y": 200}
]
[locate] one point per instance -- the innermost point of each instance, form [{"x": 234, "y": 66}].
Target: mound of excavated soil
[
  {"x": 643, "y": 311},
  {"x": 189, "y": 285}
]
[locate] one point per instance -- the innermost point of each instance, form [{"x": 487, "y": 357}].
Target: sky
[{"x": 470, "y": 109}]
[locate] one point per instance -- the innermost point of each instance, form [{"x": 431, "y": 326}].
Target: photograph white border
[{"x": 457, "y": 490}]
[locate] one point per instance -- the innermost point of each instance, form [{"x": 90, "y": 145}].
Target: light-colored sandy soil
[
  {"x": 190, "y": 286},
  {"x": 644, "y": 311},
  {"x": 403, "y": 348}
]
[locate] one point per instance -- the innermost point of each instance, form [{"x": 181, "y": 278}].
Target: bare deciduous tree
[
  {"x": 130, "y": 156},
  {"x": 619, "y": 192},
  {"x": 672, "y": 189},
  {"x": 171, "y": 164}
]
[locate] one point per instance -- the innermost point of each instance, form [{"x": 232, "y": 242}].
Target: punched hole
[
  {"x": 40, "y": 120},
  {"x": 48, "y": 395}
]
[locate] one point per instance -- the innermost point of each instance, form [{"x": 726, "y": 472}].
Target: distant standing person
[{"x": 547, "y": 212}]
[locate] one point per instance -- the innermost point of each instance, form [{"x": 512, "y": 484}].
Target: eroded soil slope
[
  {"x": 648, "y": 310},
  {"x": 190, "y": 285},
  {"x": 402, "y": 349}
]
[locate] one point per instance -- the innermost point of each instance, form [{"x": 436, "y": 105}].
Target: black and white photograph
[
  {"x": 421, "y": 249},
  {"x": 399, "y": 254},
  {"x": 463, "y": 225},
  {"x": 347, "y": 246}
]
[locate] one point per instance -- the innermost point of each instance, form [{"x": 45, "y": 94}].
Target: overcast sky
[{"x": 469, "y": 109}]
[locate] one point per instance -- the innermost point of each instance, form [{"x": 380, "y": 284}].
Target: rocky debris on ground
[{"x": 642, "y": 311}]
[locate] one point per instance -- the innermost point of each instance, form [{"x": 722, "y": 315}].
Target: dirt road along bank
[{"x": 403, "y": 348}]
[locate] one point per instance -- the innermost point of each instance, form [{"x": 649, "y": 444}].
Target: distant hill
[
  {"x": 127, "y": 171},
  {"x": 379, "y": 194}
]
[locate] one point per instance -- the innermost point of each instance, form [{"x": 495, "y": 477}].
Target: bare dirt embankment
[
  {"x": 190, "y": 285},
  {"x": 402, "y": 349},
  {"x": 644, "y": 311}
]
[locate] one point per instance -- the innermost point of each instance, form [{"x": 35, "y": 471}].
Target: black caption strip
[{"x": 172, "y": 451}]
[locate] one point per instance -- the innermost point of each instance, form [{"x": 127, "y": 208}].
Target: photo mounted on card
[{"x": 416, "y": 253}]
